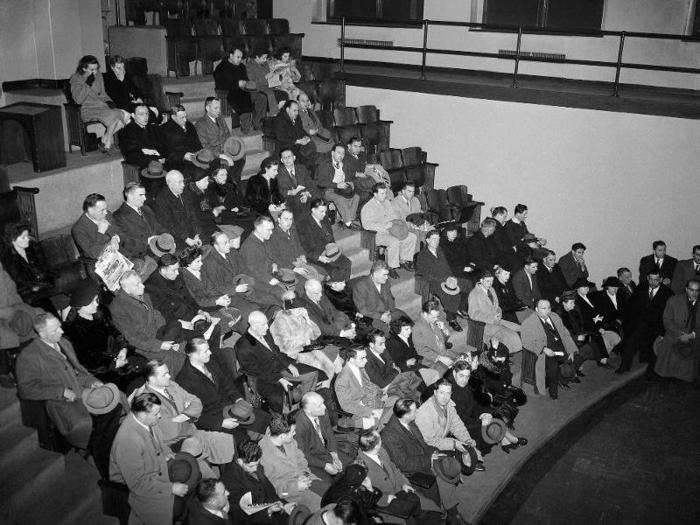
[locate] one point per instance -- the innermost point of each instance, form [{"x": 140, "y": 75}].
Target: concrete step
[
  {"x": 9, "y": 407},
  {"x": 89, "y": 510},
  {"x": 17, "y": 444},
  {"x": 254, "y": 158},
  {"x": 199, "y": 86}
]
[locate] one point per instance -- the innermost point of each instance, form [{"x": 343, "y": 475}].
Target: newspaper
[{"x": 111, "y": 266}]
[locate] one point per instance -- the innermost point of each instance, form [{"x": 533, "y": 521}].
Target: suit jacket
[
  {"x": 641, "y": 311},
  {"x": 285, "y": 247},
  {"x": 218, "y": 274},
  {"x": 133, "y": 138},
  {"x": 611, "y": 312},
  {"x": 138, "y": 321},
  {"x": 571, "y": 270},
  {"x": 257, "y": 258},
  {"x": 314, "y": 237},
  {"x": 670, "y": 362},
  {"x": 198, "y": 290},
  {"x": 515, "y": 231},
  {"x": 178, "y": 215},
  {"x": 369, "y": 301},
  {"x": 406, "y": 447},
  {"x": 265, "y": 364},
  {"x": 376, "y": 216},
  {"x": 401, "y": 352},
  {"x": 286, "y": 182},
  {"x": 238, "y": 482},
  {"x": 198, "y": 515},
  {"x": 589, "y": 312},
  {"x": 535, "y": 339},
  {"x": 141, "y": 462},
  {"x": 286, "y": 131},
  {"x": 177, "y": 142},
  {"x": 550, "y": 282},
  {"x": 329, "y": 319},
  {"x": 386, "y": 477},
  {"x": 260, "y": 194},
  {"x": 213, "y": 134},
  {"x": 429, "y": 341},
  {"x": 352, "y": 395},
  {"x": 381, "y": 374},
  {"x": 283, "y": 468},
  {"x": 529, "y": 295},
  {"x": 684, "y": 271},
  {"x": 171, "y": 298},
  {"x": 135, "y": 230},
  {"x": 431, "y": 268},
  {"x": 648, "y": 262},
  {"x": 624, "y": 294},
  {"x": 89, "y": 241},
  {"x": 325, "y": 172},
  {"x": 317, "y": 452},
  {"x": 481, "y": 251}
]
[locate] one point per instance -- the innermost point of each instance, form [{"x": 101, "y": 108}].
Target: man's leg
[
  {"x": 352, "y": 208},
  {"x": 551, "y": 371},
  {"x": 259, "y": 108},
  {"x": 392, "y": 248},
  {"x": 407, "y": 248}
]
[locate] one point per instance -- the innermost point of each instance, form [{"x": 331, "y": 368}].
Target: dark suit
[
  {"x": 611, "y": 312},
  {"x": 387, "y": 477},
  {"x": 177, "y": 142},
  {"x": 314, "y": 238},
  {"x": 526, "y": 289},
  {"x": 571, "y": 269},
  {"x": 324, "y": 176},
  {"x": 624, "y": 294},
  {"x": 135, "y": 230},
  {"x": 329, "y": 319},
  {"x": 550, "y": 282},
  {"x": 260, "y": 193},
  {"x": 89, "y": 241},
  {"x": 238, "y": 482},
  {"x": 372, "y": 303},
  {"x": 684, "y": 271},
  {"x": 256, "y": 257},
  {"x": 381, "y": 374},
  {"x": 401, "y": 352},
  {"x": 648, "y": 263},
  {"x": 288, "y": 132},
  {"x": 286, "y": 182},
  {"x": 317, "y": 452},
  {"x": 178, "y": 215},
  {"x": 133, "y": 138},
  {"x": 481, "y": 251}
]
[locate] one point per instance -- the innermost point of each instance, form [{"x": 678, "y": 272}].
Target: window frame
[{"x": 378, "y": 21}]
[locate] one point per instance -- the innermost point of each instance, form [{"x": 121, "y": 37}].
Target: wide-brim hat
[
  {"x": 183, "y": 468},
  {"x": 153, "y": 171},
  {"x": 494, "y": 432},
  {"x": 233, "y": 231},
  {"x": 243, "y": 279},
  {"x": 84, "y": 293},
  {"x": 332, "y": 251},
  {"x": 612, "y": 281},
  {"x": 204, "y": 158},
  {"x": 582, "y": 281},
  {"x": 287, "y": 277},
  {"x": 448, "y": 469},
  {"x": 101, "y": 399},
  {"x": 242, "y": 411},
  {"x": 450, "y": 286},
  {"x": 162, "y": 244},
  {"x": 234, "y": 147}
]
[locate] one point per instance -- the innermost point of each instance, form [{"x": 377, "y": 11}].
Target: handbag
[{"x": 421, "y": 479}]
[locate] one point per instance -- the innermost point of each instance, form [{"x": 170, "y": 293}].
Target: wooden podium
[{"x": 44, "y": 125}]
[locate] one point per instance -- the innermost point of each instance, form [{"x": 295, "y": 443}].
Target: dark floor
[{"x": 638, "y": 461}]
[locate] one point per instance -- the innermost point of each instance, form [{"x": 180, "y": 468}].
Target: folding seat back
[
  {"x": 256, "y": 27},
  {"x": 367, "y": 114},
  {"x": 416, "y": 174},
  {"x": 230, "y": 26},
  {"x": 412, "y": 156},
  {"x": 279, "y": 26},
  {"x": 344, "y": 116}
]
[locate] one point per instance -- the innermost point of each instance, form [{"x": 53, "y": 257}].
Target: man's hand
[
  {"x": 96, "y": 384},
  {"x": 408, "y": 488},
  {"x": 120, "y": 360},
  {"x": 102, "y": 226},
  {"x": 229, "y": 423},
  {"x": 180, "y": 418},
  {"x": 390, "y": 498},
  {"x": 303, "y": 141},
  {"x": 445, "y": 360},
  {"x": 276, "y": 507},
  {"x": 411, "y": 362},
  {"x": 459, "y": 447},
  {"x": 289, "y": 507},
  {"x": 330, "y": 468},
  {"x": 166, "y": 345},
  {"x": 336, "y": 461},
  {"x": 548, "y": 352},
  {"x": 386, "y": 317},
  {"x": 190, "y": 242},
  {"x": 322, "y": 258},
  {"x": 69, "y": 395},
  {"x": 486, "y": 418},
  {"x": 241, "y": 288},
  {"x": 294, "y": 370},
  {"x": 684, "y": 338},
  {"x": 598, "y": 318},
  {"x": 285, "y": 384},
  {"x": 179, "y": 489},
  {"x": 303, "y": 483},
  {"x": 581, "y": 337},
  {"x": 667, "y": 281},
  {"x": 190, "y": 156},
  {"x": 147, "y": 151},
  {"x": 218, "y": 210},
  {"x": 224, "y": 301},
  {"x": 274, "y": 281},
  {"x": 377, "y": 413}
]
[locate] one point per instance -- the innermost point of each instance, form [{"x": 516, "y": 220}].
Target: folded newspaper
[{"x": 111, "y": 266}]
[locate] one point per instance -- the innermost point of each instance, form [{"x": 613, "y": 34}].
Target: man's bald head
[
  {"x": 312, "y": 403},
  {"x": 175, "y": 181},
  {"x": 258, "y": 323},
  {"x": 314, "y": 290}
]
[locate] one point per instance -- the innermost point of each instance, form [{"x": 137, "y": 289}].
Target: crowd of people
[{"x": 236, "y": 373}]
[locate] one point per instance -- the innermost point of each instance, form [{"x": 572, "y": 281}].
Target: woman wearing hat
[
  {"x": 226, "y": 201},
  {"x": 512, "y": 308},
  {"x": 98, "y": 344},
  {"x": 593, "y": 315},
  {"x": 354, "y": 485}
]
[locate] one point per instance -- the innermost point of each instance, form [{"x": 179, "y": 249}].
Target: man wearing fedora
[
  {"x": 48, "y": 370},
  {"x": 139, "y": 141},
  {"x": 139, "y": 459},
  {"x": 177, "y": 212}
]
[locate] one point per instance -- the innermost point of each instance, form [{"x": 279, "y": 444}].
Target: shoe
[
  {"x": 580, "y": 374},
  {"x": 393, "y": 273},
  {"x": 507, "y": 448},
  {"x": 455, "y": 325},
  {"x": 522, "y": 441}
]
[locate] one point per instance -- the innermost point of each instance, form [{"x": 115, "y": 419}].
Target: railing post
[
  {"x": 517, "y": 56},
  {"x": 425, "y": 46},
  {"x": 342, "y": 46},
  {"x": 618, "y": 67}
]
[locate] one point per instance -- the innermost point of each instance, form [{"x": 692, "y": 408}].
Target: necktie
[
  {"x": 697, "y": 267},
  {"x": 651, "y": 293},
  {"x": 549, "y": 322},
  {"x": 490, "y": 294},
  {"x": 691, "y": 315},
  {"x": 659, "y": 262},
  {"x": 156, "y": 443},
  {"x": 317, "y": 426}
]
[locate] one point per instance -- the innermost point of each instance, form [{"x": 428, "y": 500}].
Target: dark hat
[
  {"x": 448, "y": 469},
  {"x": 582, "y": 281},
  {"x": 242, "y": 411},
  {"x": 241, "y": 278},
  {"x": 203, "y": 158},
  {"x": 355, "y": 474},
  {"x": 450, "y": 286},
  {"x": 83, "y": 294},
  {"x": 529, "y": 237},
  {"x": 22, "y": 324},
  {"x": 183, "y": 468},
  {"x": 612, "y": 281},
  {"x": 287, "y": 277},
  {"x": 332, "y": 251},
  {"x": 233, "y": 231},
  {"x": 234, "y": 147},
  {"x": 101, "y": 399},
  {"x": 153, "y": 171},
  {"x": 568, "y": 295},
  {"x": 162, "y": 244},
  {"x": 494, "y": 431}
]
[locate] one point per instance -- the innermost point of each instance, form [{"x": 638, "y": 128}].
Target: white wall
[
  {"x": 661, "y": 16},
  {"x": 614, "y": 181}
]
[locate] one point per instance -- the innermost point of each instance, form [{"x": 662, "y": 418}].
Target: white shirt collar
[{"x": 148, "y": 429}]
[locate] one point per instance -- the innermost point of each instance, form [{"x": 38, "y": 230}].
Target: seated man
[
  {"x": 94, "y": 230},
  {"x": 378, "y": 215},
  {"x": 179, "y": 411},
  {"x": 139, "y": 459},
  {"x": 590, "y": 344},
  {"x": 482, "y": 252},
  {"x": 550, "y": 279},
  {"x": 312, "y": 125},
  {"x": 139, "y": 141},
  {"x": 316, "y": 439},
  {"x": 573, "y": 265},
  {"x": 317, "y": 239},
  {"x": 356, "y": 162},
  {"x": 138, "y": 224},
  {"x": 431, "y": 339},
  {"x": 331, "y": 321},
  {"x": 408, "y": 207},
  {"x": 231, "y": 75},
  {"x": 287, "y": 468},
  {"x": 286, "y": 249},
  {"x": 48, "y": 370},
  {"x": 546, "y": 336},
  {"x": 385, "y": 374},
  {"x": 385, "y": 476},
  {"x": 211, "y": 506},
  {"x": 628, "y": 287},
  {"x": 295, "y": 184},
  {"x": 143, "y": 326},
  {"x": 203, "y": 378},
  {"x": 407, "y": 449},
  {"x": 484, "y": 307},
  {"x": 658, "y": 260},
  {"x": 516, "y": 230},
  {"x": 214, "y": 134},
  {"x": 338, "y": 186},
  {"x": 177, "y": 212},
  {"x": 181, "y": 144},
  {"x": 686, "y": 270},
  {"x": 258, "y": 67},
  {"x": 367, "y": 404},
  {"x": 275, "y": 372},
  {"x": 525, "y": 284},
  {"x": 257, "y": 257},
  {"x": 373, "y": 298},
  {"x": 290, "y": 133},
  {"x": 253, "y": 499}
]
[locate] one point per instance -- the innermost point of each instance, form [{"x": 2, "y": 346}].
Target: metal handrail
[{"x": 618, "y": 64}]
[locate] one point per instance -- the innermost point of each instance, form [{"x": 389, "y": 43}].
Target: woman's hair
[
  {"x": 396, "y": 325},
  {"x": 282, "y": 50},
  {"x": 115, "y": 59},
  {"x": 498, "y": 210},
  {"x": 267, "y": 163},
  {"x": 14, "y": 230},
  {"x": 85, "y": 61},
  {"x": 188, "y": 256}
]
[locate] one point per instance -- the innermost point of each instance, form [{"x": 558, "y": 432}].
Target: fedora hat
[
  {"x": 242, "y": 411},
  {"x": 332, "y": 251},
  {"x": 568, "y": 295},
  {"x": 153, "y": 171},
  {"x": 448, "y": 469},
  {"x": 287, "y": 277},
  {"x": 162, "y": 244},
  {"x": 234, "y": 147},
  {"x": 232, "y": 230},
  {"x": 529, "y": 237},
  {"x": 450, "y": 286},
  {"x": 101, "y": 399},
  {"x": 494, "y": 431},
  {"x": 612, "y": 281},
  {"x": 203, "y": 158},
  {"x": 582, "y": 281},
  {"x": 183, "y": 468}
]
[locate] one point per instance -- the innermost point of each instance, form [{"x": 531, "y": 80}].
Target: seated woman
[
  {"x": 470, "y": 409},
  {"x": 484, "y": 307},
  {"x": 400, "y": 346},
  {"x": 27, "y": 267},
  {"x": 512, "y": 308},
  {"x": 262, "y": 190},
  {"x": 98, "y": 344},
  {"x": 225, "y": 195},
  {"x": 121, "y": 89},
  {"x": 454, "y": 247},
  {"x": 284, "y": 73}
]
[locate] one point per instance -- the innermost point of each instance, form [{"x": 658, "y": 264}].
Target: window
[
  {"x": 566, "y": 15},
  {"x": 376, "y": 11}
]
